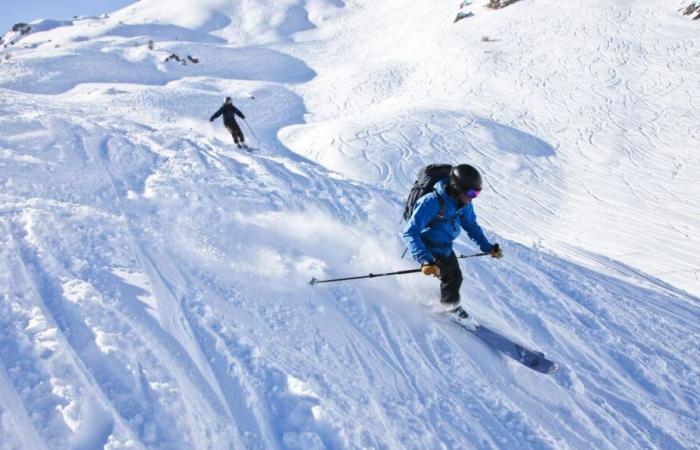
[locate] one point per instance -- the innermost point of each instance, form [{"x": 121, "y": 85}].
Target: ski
[
  {"x": 247, "y": 149},
  {"x": 530, "y": 358}
]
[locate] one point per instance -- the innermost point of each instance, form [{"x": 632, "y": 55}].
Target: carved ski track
[
  {"x": 368, "y": 372},
  {"x": 28, "y": 435},
  {"x": 43, "y": 287},
  {"x": 482, "y": 409},
  {"x": 488, "y": 402},
  {"x": 156, "y": 279},
  {"x": 608, "y": 327},
  {"x": 234, "y": 377},
  {"x": 181, "y": 355},
  {"x": 458, "y": 338},
  {"x": 402, "y": 363}
]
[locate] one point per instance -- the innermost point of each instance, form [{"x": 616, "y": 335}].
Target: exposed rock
[
  {"x": 21, "y": 28},
  {"x": 183, "y": 61},
  {"x": 692, "y": 8},
  {"x": 497, "y": 4},
  {"x": 18, "y": 30},
  {"x": 462, "y": 15}
]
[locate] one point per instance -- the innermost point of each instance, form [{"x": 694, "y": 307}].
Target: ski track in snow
[{"x": 154, "y": 279}]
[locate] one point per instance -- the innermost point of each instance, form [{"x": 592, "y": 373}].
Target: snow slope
[{"x": 154, "y": 279}]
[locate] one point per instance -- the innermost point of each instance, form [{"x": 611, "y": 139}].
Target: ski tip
[
  {"x": 547, "y": 367},
  {"x": 553, "y": 369}
]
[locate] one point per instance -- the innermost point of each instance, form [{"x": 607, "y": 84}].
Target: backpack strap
[{"x": 441, "y": 212}]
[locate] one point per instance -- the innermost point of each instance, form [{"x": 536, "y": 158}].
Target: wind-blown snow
[{"x": 154, "y": 278}]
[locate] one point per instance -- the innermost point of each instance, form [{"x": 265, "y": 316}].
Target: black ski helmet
[
  {"x": 227, "y": 100},
  {"x": 464, "y": 178}
]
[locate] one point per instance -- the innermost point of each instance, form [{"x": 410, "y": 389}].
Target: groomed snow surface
[{"x": 154, "y": 278}]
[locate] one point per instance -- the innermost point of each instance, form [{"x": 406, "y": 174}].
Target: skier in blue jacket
[{"x": 429, "y": 237}]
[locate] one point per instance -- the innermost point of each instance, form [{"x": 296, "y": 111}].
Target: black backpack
[{"x": 425, "y": 181}]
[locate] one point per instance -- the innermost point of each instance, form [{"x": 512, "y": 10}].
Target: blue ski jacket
[{"x": 426, "y": 241}]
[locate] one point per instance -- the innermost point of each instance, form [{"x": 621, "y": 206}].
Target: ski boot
[{"x": 461, "y": 316}]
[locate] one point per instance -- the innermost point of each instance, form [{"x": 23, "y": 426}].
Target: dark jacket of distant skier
[
  {"x": 230, "y": 112},
  {"x": 429, "y": 239}
]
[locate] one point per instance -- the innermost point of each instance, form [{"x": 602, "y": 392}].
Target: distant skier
[
  {"x": 435, "y": 223},
  {"x": 230, "y": 112}
]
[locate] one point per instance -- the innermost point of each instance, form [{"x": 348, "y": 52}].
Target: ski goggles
[{"x": 473, "y": 193}]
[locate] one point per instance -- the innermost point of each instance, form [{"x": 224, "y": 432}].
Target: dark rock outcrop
[
  {"x": 692, "y": 9},
  {"x": 497, "y": 4},
  {"x": 183, "y": 61}
]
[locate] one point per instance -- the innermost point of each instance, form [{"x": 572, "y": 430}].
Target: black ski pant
[
  {"x": 450, "y": 279},
  {"x": 235, "y": 131}
]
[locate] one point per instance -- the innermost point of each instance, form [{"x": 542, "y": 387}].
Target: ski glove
[
  {"x": 430, "y": 269},
  {"x": 496, "y": 252}
]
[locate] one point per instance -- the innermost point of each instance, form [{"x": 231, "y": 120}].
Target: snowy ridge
[{"x": 154, "y": 280}]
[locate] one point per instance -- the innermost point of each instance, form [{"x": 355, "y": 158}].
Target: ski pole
[
  {"x": 474, "y": 255},
  {"x": 314, "y": 281},
  {"x": 251, "y": 131}
]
